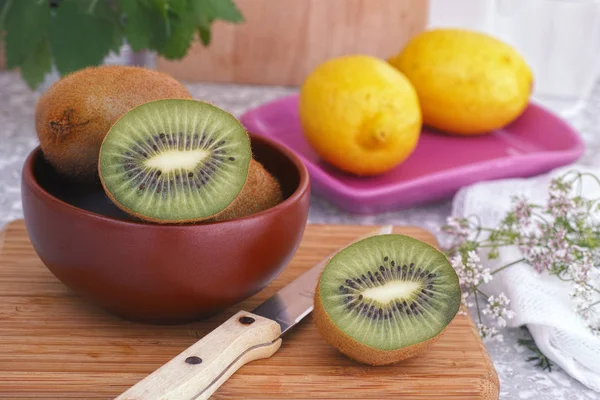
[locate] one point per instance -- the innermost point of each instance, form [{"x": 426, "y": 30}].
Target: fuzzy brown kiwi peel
[
  {"x": 385, "y": 299},
  {"x": 74, "y": 115},
  {"x": 175, "y": 161},
  {"x": 261, "y": 191}
]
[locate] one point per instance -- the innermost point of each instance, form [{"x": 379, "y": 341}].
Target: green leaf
[
  {"x": 78, "y": 39},
  {"x": 145, "y": 26},
  {"x": 204, "y": 29},
  {"x": 88, "y": 6},
  {"x": 111, "y": 14},
  {"x": 37, "y": 64},
  {"x": 25, "y": 25},
  {"x": 180, "y": 39},
  {"x": 179, "y": 7},
  {"x": 167, "y": 26},
  {"x": 117, "y": 39},
  {"x": 542, "y": 361},
  {"x": 4, "y": 6},
  {"x": 160, "y": 6},
  {"x": 206, "y": 11},
  {"x": 204, "y": 33},
  {"x": 138, "y": 25},
  {"x": 225, "y": 10}
]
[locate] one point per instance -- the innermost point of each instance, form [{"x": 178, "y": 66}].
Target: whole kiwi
[
  {"x": 261, "y": 191},
  {"x": 74, "y": 115}
]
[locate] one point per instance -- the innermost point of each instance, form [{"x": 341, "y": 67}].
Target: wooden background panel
[{"x": 283, "y": 40}]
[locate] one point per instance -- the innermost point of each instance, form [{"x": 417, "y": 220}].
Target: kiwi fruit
[
  {"x": 73, "y": 115},
  {"x": 261, "y": 191},
  {"x": 175, "y": 161},
  {"x": 386, "y": 298}
]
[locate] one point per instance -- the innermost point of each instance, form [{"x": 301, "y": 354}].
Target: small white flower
[
  {"x": 458, "y": 229},
  {"x": 591, "y": 316},
  {"x": 465, "y": 299},
  {"x": 488, "y": 332},
  {"x": 477, "y": 271},
  {"x": 581, "y": 292},
  {"x": 509, "y": 314},
  {"x": 497, "y": 308},
  {"x": 471, "y": 271},
  {"x": 559, "y": 202},
  {"x": 522, "y": 210},
  {"x": 473, "y": 258},
  {"x": 526, "y": 231},
  {"x": 457, "y": 262},
  {"x": 538, "y": 257},
  {"x": 486, "y": 275},
  {"x": 501, "y": 322},
  {"x": 581, "y": 265}
]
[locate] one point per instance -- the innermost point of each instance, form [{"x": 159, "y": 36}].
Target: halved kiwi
[
  {"x": 175, "y": 161},
  {"x": 386, "y": 298}
]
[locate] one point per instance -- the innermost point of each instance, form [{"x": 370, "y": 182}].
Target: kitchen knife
[{"x": 198, "y": 371}]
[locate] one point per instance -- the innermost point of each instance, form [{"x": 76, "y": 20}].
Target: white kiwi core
[
  {"x": 175, "y": 159},
  {"x": 392, "y": 291}
]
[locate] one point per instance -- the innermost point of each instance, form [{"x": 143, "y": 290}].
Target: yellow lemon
[
  {"x": 360, "y": 114},
  {"x": 468, "y": 82}
]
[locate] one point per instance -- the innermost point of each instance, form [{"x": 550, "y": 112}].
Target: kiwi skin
[
  {"x": 358, "y": 351},
  {"x": 261, "y": 191},
  {"x": 74, "y": 115}
]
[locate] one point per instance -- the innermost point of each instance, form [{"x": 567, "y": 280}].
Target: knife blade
[{"x": 197, "y": 372}]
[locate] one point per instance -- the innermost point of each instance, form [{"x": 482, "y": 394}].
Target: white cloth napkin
[{"x": 541, "y": 302}]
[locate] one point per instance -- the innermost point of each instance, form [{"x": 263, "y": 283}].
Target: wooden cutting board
[{"x": 53, "y": 345}]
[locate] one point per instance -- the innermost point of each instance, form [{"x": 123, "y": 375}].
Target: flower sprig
[{"x": 560, "y": 238}]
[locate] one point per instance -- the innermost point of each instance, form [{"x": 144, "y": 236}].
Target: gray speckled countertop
[{"x": 519, "y": 379}]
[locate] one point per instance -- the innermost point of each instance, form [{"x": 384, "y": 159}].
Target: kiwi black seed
[
  {"x": 170, "y": 161},
  {"x": 386, "y": 298}
]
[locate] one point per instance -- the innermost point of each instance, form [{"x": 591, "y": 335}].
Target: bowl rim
[{"x": 303, "y": 186}]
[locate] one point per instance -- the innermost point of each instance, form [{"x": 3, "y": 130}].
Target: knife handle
[{"x": 200, "y": 369}]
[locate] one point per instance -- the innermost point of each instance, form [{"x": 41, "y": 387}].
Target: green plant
[
  {"x": 73, "y": 34},
  {"x": 540, "y": 360}
]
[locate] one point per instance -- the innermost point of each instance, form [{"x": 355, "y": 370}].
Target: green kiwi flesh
[
  {"x": 386, "y": 293},
  {"x": 175, "y": 161}
]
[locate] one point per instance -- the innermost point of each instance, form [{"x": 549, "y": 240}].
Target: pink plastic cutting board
[{"x": 536, "y": 142}]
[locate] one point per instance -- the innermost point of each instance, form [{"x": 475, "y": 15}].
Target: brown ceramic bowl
[{"x": 162, "y": 273}]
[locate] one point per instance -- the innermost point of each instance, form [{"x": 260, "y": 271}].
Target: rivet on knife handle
[{"x": 200, "y": 369}]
